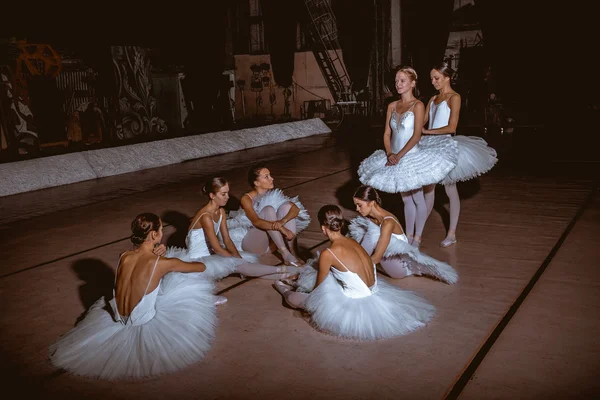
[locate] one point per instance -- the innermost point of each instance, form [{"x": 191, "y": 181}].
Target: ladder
[{"x": 325, "y": 46}]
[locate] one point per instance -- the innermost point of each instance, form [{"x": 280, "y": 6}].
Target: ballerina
[
  {"x": 381, "y": 235},
  {"x": 268, "y": 217},
  {"x": 160, "y": 319},
  {"x": 208, "y": 240},
  {"x": 475, "y": 157},
  {"x": 404, "y": 167},
  {"x": 348, "y": 300}
]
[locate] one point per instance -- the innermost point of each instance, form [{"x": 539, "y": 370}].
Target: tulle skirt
[
  {"x": 475, "y": 157},
  {"x": 416, "y": 169},
  {"x": 367, "y": 233},
  {"x": 388, "y": 312},
  {"x": 238, "y": 223},
  {"x": 180, "y": 334}
]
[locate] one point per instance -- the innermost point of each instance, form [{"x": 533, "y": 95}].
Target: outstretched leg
[
  {"x": 294, "y": 299},
  {"x": 267, "y": 271},
  {"x": 452, "y": 193}
]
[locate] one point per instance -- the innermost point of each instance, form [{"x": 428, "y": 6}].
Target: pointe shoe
[
  {"x": 416, "y": 243},
  {"x": 220, "y": 300},
  {"x": 281, "y": 287},
  {"x": 285, "y": 274},
  {"x": 289, "y": 258},
  {"x": 449, "y": 241}
]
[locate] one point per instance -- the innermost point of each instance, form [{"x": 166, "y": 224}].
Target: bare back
[
  {"x": 354, "y": 258},
  {"x": 134, "y": 275}
]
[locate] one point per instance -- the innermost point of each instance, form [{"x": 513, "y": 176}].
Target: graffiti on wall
[{"x": 137, "y": 105}]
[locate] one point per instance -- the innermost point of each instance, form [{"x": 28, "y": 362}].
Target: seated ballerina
[
  {"x": 162, "y": 319},
  {"x": 381, "y": 235},
  {"x": 267, "y": 216},
  {"x": 348, "y": 300},
  {"x": 203, "y": 244}
]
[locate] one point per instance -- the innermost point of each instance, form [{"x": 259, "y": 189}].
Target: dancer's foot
[
  {"x": 289, "y": 258},
  {"x": 282, "y": 287},
  {"x": 285, "y": 274},
  {"x": 407, "y": 267},
  {"x": 219, "y": 300},
  {"x": 416, "y": 242},
  {"x": 449, "y": 241},
  {"x": 409, "y": 238}
]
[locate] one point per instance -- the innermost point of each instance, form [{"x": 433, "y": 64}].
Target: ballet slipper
[
  {"x": 449, "y": 241},
  {"x": 220, "y": 300}
]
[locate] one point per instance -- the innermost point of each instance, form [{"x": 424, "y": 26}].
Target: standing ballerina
[
  {"x": 404, "y": 167},
  {"x": 475, "y": 157},
  {"x": 203, "y": 244},
  {"x": 163, "y": 317},
  {"x": 268, "y": 217},
  {"x": 381, "y": 235},
  {"x": 347, "y": 299}
]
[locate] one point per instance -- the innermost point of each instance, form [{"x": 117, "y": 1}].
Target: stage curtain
[
  {"x": 280, "y": 21},
  {"x": 356, "y": 29}
]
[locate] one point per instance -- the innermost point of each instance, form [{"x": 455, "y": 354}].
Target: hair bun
[{"x": 137, "y": 240}]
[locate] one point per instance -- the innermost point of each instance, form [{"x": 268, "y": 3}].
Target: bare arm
[
  {"x": 387, "y": 227},
  {"x": 293, "y": 213},
  {"x": 258, "y": 222},
  {"x": 211, "y": 236},
  {"x": 388, "y": 131},
  {"x": 426, "y": 119},
  {"x": 325, "y": 261},
  {"x": 418, "y": 111},
  {"x": 454, "y": 104},
  {"x": 176, "y": 265},
  {"x": 226, "y": 238}
]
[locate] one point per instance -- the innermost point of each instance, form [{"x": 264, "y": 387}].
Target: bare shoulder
[
  {"x": 454, "y": 96},
  {"x": 419, "y": 105},
  {"x": 246, "y": 198}
]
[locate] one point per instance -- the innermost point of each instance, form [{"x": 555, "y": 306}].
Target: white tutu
[
  {"x": 416, "y": 169},
  {"x": 475, "y": 157},
  {"x": 178, "y": 335},
  {"x": 363, "y": 229},
  {"x": 388, "y": 312},
  {"x": 238, "y": 223},
  {"x": 217, "y": 266}
]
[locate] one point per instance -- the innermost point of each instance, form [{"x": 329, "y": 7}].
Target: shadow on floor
[
  {"x": 98, "y": 280},
  {"x": 181, "y": 223}
]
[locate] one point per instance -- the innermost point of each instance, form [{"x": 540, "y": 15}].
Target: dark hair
[
  {"x": 254, "y": 172},
  {"x": 367, "y": 193},
  {"x": 444, "y": 69},
  {"x": 142, "y": 225},
  {"x": 330, "y": 216},
  {"x": 213, "y": 185}
]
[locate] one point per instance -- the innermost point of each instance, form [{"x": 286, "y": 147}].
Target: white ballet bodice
[
  {"x": 399, "y": 236},
  {"x": 143, "y": 311},
  {"x": 403, "y": 127},
  {"x": 439, "y": 115},
  {"x": 352, "y": 284},
  {"x": 196, "y": 242}
]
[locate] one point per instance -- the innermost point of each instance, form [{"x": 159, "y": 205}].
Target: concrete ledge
[
  {"x": 25, "y": 176},
  {"x": 40, "y": 173}
]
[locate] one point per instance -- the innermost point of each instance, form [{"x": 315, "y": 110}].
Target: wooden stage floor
[{"x": 522, "y": 322}]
